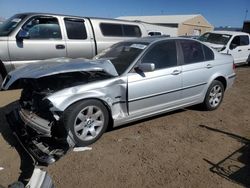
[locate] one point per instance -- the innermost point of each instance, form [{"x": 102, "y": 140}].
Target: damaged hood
[
  {"x": 214, "y": 46},
  {"x": 57, "y": 66}
]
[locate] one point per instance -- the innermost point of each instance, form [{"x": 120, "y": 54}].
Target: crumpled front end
[
  {"x": 36, "y": 129},
  {"x": 36, "y": 123}
]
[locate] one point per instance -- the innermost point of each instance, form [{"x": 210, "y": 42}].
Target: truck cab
[
  {"x": 234, "y": 43},
  {"x": 30, "y": 37}
]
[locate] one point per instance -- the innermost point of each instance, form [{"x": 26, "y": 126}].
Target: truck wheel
[
  {"x": 86, "y": 120},
  {"x": 214, "y": 96}
]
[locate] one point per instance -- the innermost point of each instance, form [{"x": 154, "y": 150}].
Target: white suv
[{"x": 229, "y": 42}]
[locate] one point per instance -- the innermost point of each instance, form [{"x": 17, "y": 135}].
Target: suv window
[
  {"x": 43, "y": 28},
  {"x": 75, "y": 28},
  {"x": 120, "y": 30},
  {"x": 163, "y": 55},
  {"x": 192, "y": 51}
]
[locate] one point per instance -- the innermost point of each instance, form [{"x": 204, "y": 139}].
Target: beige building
[{"x": 185, "y": 24}]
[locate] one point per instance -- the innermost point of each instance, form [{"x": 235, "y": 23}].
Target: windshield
[
  {"x": 122, "y": 54},
  {"x": 215, "y": 38},
  {"x": 10, "y": 24}
]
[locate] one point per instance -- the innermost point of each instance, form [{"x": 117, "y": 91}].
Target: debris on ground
[{"x": 78, "y": 149}]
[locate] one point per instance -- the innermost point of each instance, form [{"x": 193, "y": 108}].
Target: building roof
[{"x": 172, "y": 19}]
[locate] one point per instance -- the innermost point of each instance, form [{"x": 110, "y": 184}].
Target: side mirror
[
  {"x": 22, "y": 34},
  {"x": 232, "y": 46},
  {"x": 146, "y": 67}
]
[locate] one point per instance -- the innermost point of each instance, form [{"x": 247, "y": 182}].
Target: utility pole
[{"x": 246, "y": 15}]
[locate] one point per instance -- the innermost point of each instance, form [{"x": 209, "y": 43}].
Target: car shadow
[
  {"x": 236, "y": 166},
  {"x": 27, "y": 164}
]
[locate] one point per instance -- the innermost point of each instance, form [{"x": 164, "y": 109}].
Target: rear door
[
  {"x": 45, "y": 41},
  {"x": 197, "y": 63},
  {"x": 240, "y": 48},
  {"x": 79, "y": 38},
  {"x": 150, "y": 92}
]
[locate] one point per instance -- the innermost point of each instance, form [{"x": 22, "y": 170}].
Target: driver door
[
  {"x": 239, "y": 48},
  {"x": 150, "y": 92},
  {"x": 44, "y": 41}
]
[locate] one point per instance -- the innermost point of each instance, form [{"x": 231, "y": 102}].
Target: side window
[
  {"x": 75, "y": 28},
  {"x": 163, "y": 55},
  {"x": 43, "y": 28},
  {"x": 131, "y": 31},
  {"x": 192, "y": 51},
  {"x": 244, "y": 40},
  {"x": 209, "y": 54},
  {"x": 235, "y": 42},
  {"x": 154, "y": 33},
  {"x": 120, "y": 30},
  {"x": 114, "y": 30}
]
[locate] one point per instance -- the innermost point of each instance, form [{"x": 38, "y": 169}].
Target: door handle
[
  {"x": 209, "y": 66},
  {"x": 176, "y": 72},
  {"x": 60, "y": 46},
  {"x": 239, "y": 50}
]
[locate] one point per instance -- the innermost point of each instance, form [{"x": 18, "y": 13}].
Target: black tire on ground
[
  {"x": 214, "y": 96},
  {"x": 86, "y": 120}
]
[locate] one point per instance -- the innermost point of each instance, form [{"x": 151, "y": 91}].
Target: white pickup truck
[
  {"x": 30, "y": 37},
  {"x": 229, "y": 42}
]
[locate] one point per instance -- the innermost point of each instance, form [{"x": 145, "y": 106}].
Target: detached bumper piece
[{"x": 36, "y": 140}]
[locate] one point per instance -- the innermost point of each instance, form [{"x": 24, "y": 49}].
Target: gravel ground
[{"x": 186, "y": 148}]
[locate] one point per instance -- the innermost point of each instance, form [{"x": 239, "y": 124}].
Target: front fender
[{"x": 60, "y": 103}]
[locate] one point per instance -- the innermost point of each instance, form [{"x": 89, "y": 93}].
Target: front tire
[
  {"x": 86, "y": 120},
  {"x": 214, "y": 96}
]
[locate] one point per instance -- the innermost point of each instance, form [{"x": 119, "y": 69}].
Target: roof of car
[
  {"x": 152, "y": 39},
  {"x": 229, "y": 32}
]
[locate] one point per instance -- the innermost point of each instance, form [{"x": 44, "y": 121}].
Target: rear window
[
  {"x": 120, "y": 30},
  {"x": 75, "y": 28}
]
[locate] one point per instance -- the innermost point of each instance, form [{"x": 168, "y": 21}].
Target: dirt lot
[{"x": 187, "y": 148}]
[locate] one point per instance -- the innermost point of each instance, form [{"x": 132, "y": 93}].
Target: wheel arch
[
  {"x": 105, "y": 103},
  {"x": 222, "y": 80}
]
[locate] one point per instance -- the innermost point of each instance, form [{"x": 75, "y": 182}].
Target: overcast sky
[{"x": 217, "y": 12}]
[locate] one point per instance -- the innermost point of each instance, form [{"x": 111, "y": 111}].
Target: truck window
[
  {"x": 114, "y": 30},
  {"x": 154, "y": 33},
  {"x": 75, "y": 28},
  {"x": 9, "y": 25},
  {"x": 43, "y": 28},
  {"x": 244, "y": 40},
  {"x": 241, "y": 40},
  {"x": 131, "y": 31},
  {"x": 120, "y": 30}
]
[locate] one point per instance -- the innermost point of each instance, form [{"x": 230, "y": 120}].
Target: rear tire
[
  {"x": 86, "y": 120},
  {"x": 214, "y": 96}
]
